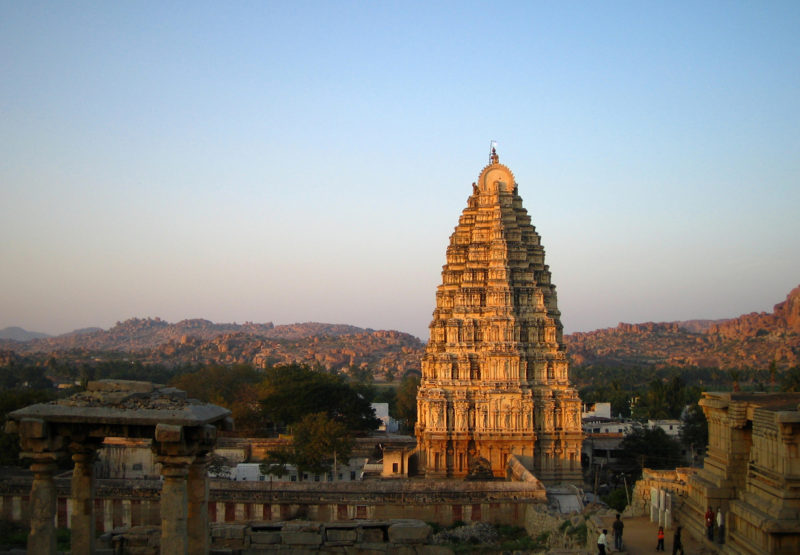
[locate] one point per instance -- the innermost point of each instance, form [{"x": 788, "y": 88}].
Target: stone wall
[
  {"x": 136, "y": 502},
  {"x": 673, "y": 481},
  {"x": 413, "y": 536}
]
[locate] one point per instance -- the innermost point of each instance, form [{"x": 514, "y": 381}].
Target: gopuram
[{"x": 494, "y": 374}]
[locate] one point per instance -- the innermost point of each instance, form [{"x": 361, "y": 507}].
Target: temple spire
[{"x": 493, "y": 157}]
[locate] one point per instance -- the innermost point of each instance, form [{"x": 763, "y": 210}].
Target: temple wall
[{"x": 136, "y": 502}]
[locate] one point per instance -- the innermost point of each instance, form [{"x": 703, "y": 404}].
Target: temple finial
[{"x": 493, "y": 157}]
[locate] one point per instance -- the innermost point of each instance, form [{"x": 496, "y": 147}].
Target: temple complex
[
  {"x": 751, "y": 472},
  {"x": 494, "y": 374}
]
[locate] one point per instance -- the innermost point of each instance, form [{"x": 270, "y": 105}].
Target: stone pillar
[
  {"x": 82, "y": 518},
  {"x": 174, "y": 513},
  {"x": 42, "y": 538},
  {"x": 197, "y": 522}
]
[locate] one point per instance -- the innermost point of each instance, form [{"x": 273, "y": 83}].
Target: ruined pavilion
[
  {"x": 183, "y": 431},
  {"x": 495, "y": 374}
]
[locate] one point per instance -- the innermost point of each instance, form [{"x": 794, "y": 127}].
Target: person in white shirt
[{"x": 602, "y": 543}]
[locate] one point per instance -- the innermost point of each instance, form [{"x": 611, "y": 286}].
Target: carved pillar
[
  {"x": 82, "y": 519},
  {"x": 174, "y": 513},
  {"x": 197, "y": 522},
  {"x": 42, "y": 538}
]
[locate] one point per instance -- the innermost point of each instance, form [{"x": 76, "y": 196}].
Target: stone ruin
[{"x": 183, "y": 432}]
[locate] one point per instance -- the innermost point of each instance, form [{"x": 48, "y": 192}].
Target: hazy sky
[{"x": 307, "y": 161}]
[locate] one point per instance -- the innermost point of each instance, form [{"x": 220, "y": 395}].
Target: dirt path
[{"x": 640, "y": 538}]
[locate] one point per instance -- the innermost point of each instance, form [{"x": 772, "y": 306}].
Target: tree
[
  {"x": 290, "y": 393},
  {"x": 317, "y": 442},
  {"x": 790, "y": 381},
  {"x": 235, "y": 388},
  {"x": 694, "y": 429},
  {"x": 406, "y": 406},
  {"x": 649, "y": 448}
]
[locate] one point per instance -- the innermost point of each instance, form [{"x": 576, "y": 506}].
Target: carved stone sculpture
[{"x": 496, "y": 309}]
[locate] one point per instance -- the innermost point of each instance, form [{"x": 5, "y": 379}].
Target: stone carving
[
  {"x": 499, "y": 308},
  {"x": 183, "y": 432}
]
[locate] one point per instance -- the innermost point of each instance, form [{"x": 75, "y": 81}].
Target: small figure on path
[
  {"x": 720, "y": 526},
  {"x": 602, "y": 542},
  {"x": 660, "y": 544},
  {"x": 710, "y": 524},
  {"x": 617, "y": 527},
  {"x": 677, "y": 545}
]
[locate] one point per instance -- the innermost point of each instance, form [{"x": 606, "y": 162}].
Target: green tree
[
  {"x": 694, "y": 429},
  {"x": 236, "y": 388},
  {"x": 289, "y": 393},
  {"x": 790, "y": 381},
  {"x": 649, "y": 448},
  {"x": 317, "y": 442},
  {"x": 406, "y": 405}
]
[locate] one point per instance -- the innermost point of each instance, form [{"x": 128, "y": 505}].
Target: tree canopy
[
  {"x": 290, "y": 393},
  {"x": 649, "y": 448}
]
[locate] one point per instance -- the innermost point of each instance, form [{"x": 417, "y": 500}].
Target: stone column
[
  {"x": 82, "y": 519},
  {"x": 174, "y": 513},
  {"x": 197, "y": 522},
  {"x": 42, "y": 538}
]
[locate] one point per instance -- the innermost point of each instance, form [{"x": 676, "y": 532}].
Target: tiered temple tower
[{"x": 494, "y": 373}]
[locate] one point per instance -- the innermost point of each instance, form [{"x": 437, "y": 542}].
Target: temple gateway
[{"x": 494, "y": 374}]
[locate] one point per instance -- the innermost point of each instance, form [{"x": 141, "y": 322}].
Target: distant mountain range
[
  {"x": 15, "y": 333},
  {"x": 751, "y": 340},
  {"x": 153, "y": 340}
]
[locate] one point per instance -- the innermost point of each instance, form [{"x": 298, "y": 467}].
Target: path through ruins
[{"x": 640, "y": 538}]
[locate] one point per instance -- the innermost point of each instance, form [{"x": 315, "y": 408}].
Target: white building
[
  {"x": 389, "y": 424},
  {"x": 671, "y": 427},
  {"x": 352, "y": 471}
]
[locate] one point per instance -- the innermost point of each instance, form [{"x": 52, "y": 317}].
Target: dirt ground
[{"x": 640, "y": 537}]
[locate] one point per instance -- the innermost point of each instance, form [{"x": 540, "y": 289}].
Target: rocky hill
[
  {"x": 18, "y": 334},
  {"x": 142, "y": 334},
  {"x": 749, "y": 341},
  {"x": 152, "y": 340}
]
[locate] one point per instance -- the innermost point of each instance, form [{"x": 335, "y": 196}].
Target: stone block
[
  {"x": 265, "y": 538},
  {"x": 433, "y": 550},
  {"x": 301, "y": 538},
  {"x": 409, "y": 531},
  {"x": 132, "y": 386},
  {"x": 367, "y": 549},
  {"x": 339, "y": 535},
  {"x": 169, "y": 433},
  {"x": 32, "y": 428},
  {"x": 372, "y": 535},
  {"x": 235, "y": 531},
  {"x": 401, "y": 549}
]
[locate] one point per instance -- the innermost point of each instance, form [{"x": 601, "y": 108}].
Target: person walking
[
  {"x": 602, "y": 543},
  {"x": 677, "y": 544},
  {"x": 617, "y": 528},
  {"x": 710, "y": 524},
  {"x": 720, "y": 526},
  {"x": 660, "y": 544}
]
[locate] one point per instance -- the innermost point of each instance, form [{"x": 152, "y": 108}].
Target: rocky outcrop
[
  {"x": 751, "y": 340},
  {"x": 785, "y": 318}
]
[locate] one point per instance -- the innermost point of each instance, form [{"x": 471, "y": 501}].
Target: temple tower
[{"x": 494, "y": 374}]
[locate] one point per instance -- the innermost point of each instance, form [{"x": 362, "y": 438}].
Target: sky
[{"x": 308, "y": 161}]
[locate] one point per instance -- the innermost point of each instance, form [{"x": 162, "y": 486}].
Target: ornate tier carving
[{"x": 495, "y": 373}]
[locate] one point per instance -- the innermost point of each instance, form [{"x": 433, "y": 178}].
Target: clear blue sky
[{"x": 297, "y": 161}]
